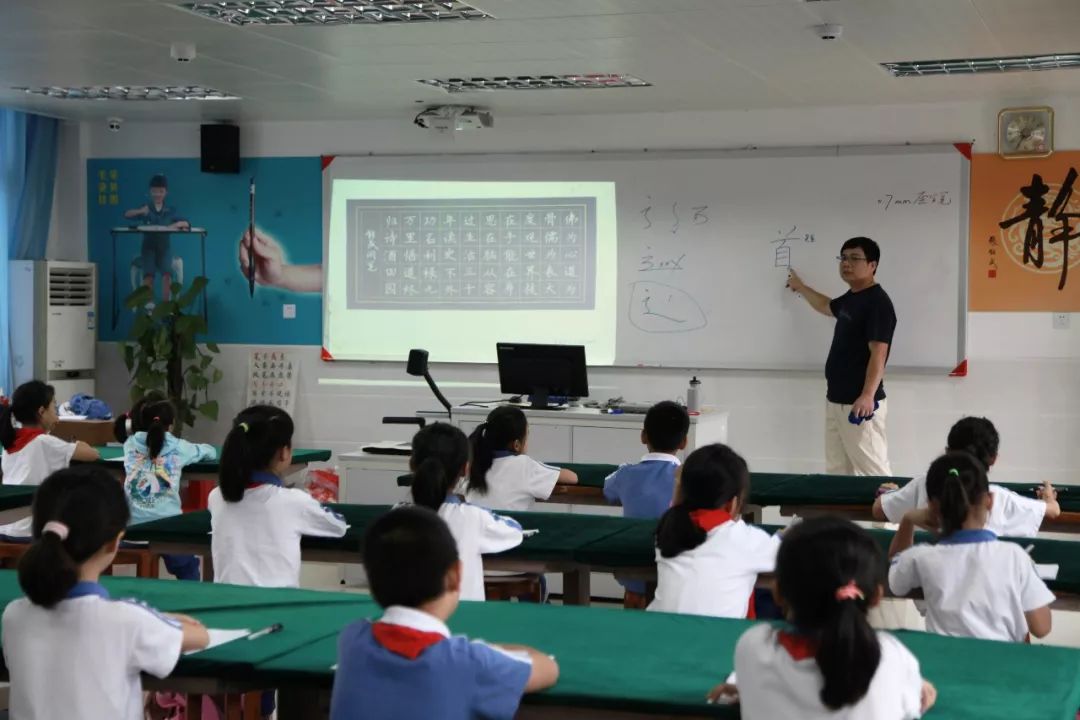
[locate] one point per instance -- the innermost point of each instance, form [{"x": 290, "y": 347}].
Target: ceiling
[{"x": 698, "y": 54}]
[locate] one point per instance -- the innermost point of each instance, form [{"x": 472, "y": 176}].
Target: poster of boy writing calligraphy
[{"x": 1024, "y": 253}]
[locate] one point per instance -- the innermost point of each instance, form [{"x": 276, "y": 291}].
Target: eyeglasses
[{"x": 850, "y": 258}]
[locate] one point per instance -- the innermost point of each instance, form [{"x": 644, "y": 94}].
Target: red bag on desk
[{"x": 323, "y": 485}]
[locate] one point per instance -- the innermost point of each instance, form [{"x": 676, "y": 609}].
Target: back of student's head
[
  {"x": 157, "y": 417},
  {"x": 129, "y": 423},
  {"x": 88, "y": 505},
  {"x": 666, "y": 425},
  {"x": 25, "y": 406},
  {"x": 258, "y": 434},
  {"x": 504, "y": 425},
  {"x": 976, "y": 435},
  {"x": 407, "y": 553},
  {"x": 439, "y": 454},
  {"x": 828, "y": 572},
  {"x": 957, "y": 481},
  {"x": 711, "y": 477}
]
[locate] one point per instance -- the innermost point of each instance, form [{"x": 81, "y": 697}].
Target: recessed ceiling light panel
[
  {"x": 1019, "y": 63},
  {"x": 332, "y": 12},
  {"x": 592, "y": 81},
  {"x": 129, "y": 92}
]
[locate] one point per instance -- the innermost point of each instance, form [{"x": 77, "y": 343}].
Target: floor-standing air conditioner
[{"x": 53, "y": 306}]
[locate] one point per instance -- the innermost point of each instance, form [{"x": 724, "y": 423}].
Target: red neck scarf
[
  {"x": 404, "y": 641},
  {"x": 23, "y": 436},
  {"x": 709, "y": 519},
  {"x": 799, "y": 647}
]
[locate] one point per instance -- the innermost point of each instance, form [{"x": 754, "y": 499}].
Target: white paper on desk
[
  {"x": 220, "y": 637},
  {"x": 119, "y": 459},
  {"x": 1047, "y": 571},
  {"x": 529, "y": 533}
]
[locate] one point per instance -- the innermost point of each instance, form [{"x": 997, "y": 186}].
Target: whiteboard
[{"x": 705, "y": 240}]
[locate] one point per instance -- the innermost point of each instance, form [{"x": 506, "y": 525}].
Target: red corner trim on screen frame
[
  {"x": 326, "y": 356},
  {"x": 327, "y": 159},
  {"x": 959, "y": 371},
  {"x": 963, "y": 148}
]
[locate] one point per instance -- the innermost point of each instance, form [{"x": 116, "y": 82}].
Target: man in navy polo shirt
[{"x": 855, "y": 369}]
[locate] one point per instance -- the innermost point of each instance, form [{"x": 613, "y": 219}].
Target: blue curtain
[{"x": 28, "y": 149}]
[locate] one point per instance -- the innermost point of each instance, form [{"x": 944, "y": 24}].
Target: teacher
[{"x": 855, "y": 369}]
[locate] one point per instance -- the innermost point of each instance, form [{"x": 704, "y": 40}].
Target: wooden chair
[{"x": 508, "y": 587}]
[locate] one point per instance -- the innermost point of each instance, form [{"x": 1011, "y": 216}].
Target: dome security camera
[
  {"x": 829, "y": 31},
  {"x": 114, "y": 124},
  {"x": 183, "y": 52}
]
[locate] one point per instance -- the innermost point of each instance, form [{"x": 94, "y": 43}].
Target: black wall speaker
[{"x": 220, "y": 145}]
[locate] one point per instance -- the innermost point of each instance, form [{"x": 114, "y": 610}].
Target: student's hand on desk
[
  {"x": 928, "y": 696},
  {"x": 1046, "y": 492},
  {"x": 723, "y": 693},
  {"x": 181, "y": 225},
  {"x": 887, "y": 487},
  {"x": 185, "y": 619}
]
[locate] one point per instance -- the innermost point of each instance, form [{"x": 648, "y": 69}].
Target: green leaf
[
  {"x": 197, "y": 381},
  {"x": 141, "y": 326},
  {"x": 138, "y": 298},
  {"x": 209, "y": 409},
  {"x": 216, "y": 377},
  {"x": 129, "y": 356},
  {"x": 213, "y": 347},
  {"x": 163, "y": 310},
  {"x": 192, "y": 292},
  {"x": 204, "y": 362}
]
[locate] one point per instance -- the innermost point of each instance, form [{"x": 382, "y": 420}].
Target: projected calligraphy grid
[{"x": 520, "y": 253}]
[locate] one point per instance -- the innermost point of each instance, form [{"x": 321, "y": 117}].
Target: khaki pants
[{"x": 855, "y": 449}]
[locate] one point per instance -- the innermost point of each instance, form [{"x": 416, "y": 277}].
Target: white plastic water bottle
[{"x": 693, "y": 396}]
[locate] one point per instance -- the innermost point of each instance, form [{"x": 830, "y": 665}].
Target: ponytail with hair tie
[
  {"x": 257, "y": 435},
  {"x": 504, "y": 426}
]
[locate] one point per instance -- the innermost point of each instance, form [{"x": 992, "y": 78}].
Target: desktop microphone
[{"x": 418, "y": 367}]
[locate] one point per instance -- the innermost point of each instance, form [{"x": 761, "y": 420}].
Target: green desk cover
[
  {"x": 662, "y": 663},
  {"x": 614, "y": 659},
  {"x": 560, "y": 535},
  {"x": 13, "y": 497},
  {"x": 772, "y": 489},
  {"x": 600, "y": 540},
  {"x": 589, "y": 474},
  {"x": 109, "y": 453}
]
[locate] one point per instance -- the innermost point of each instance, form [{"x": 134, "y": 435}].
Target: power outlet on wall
[{"x": 1061, "y": 321}]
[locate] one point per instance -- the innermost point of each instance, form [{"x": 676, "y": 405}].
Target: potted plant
[{"x": 162, "y": 353}]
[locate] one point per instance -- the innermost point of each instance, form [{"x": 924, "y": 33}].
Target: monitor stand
[{"x": 539, "y": 400}]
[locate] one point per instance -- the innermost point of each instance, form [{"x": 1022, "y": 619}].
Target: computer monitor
[{"x": 542, "y": 371}]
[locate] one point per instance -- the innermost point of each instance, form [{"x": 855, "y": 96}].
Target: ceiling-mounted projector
[{"x": 450, "y": 118}]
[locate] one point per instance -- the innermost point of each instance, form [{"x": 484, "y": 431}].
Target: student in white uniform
[
  {"x": 256, "y": 522},
  {"x": 440, "y": 458},
  {"x": 71, "y": 650},
  {"x": 974, "y": 585},
  {"x": 1012, "y": 514},
  {"x": 502, "y": 476},
  {"x": 827, "y": 662},
  {"x": 707, "y": 558},
  {"x": 406, "y": 664},
  {"x": 31, "y": 454}
]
